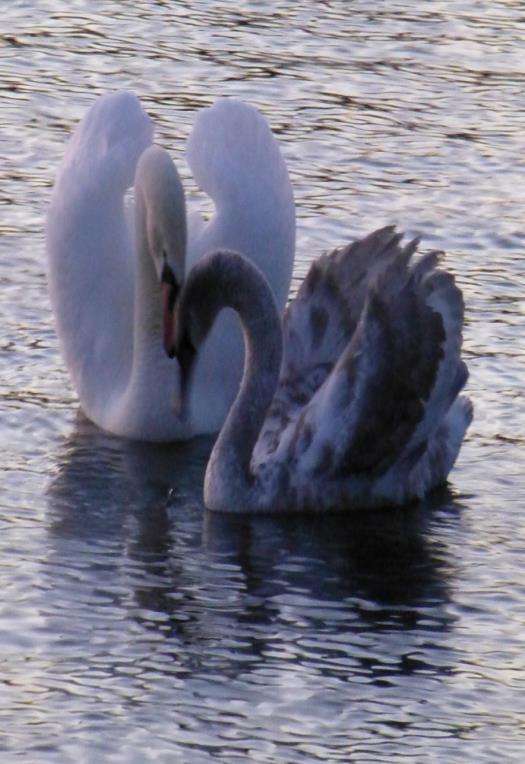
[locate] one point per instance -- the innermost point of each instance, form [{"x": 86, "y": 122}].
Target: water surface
[{"x": 136, "y": 627}]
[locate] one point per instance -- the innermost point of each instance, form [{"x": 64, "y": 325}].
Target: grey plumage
[{"x": 366, "y": 411}]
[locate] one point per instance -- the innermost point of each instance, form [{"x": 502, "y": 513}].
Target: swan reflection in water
[
  {"x": 102, "y": 480},
  {"x": 134, "y": 511}
]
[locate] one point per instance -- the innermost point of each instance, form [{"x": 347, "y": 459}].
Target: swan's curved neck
[
  {"x": 160, "y": 232},
  {"x": 232, "y": 281}
]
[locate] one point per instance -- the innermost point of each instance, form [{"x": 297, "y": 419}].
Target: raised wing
[
  {"x": 391, "y": 388},
  {"x": 320, "y": 322},
  {"x": 90, "y": 245},
  {"x": 236, "y": 160}
]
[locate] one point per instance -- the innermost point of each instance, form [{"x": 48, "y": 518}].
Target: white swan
[
  {"x": 105, "y": 269},
  {"x": 364, "y": 409}
]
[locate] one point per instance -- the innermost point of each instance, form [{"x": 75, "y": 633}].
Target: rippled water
[{"x": 136, "y": 627}]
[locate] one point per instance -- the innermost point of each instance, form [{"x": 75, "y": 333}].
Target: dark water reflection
[
  {"x": 148, "y": 499},
  {"x": 286, "y": 610}
]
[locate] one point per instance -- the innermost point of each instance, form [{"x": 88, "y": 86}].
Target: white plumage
[{"x": 104, "y": 269}]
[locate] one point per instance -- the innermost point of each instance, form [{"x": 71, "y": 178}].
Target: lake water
[{"x": 134, "y": 625}]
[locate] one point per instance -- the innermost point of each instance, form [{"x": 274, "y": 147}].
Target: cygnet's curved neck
[{"x": 226, "y": 279}]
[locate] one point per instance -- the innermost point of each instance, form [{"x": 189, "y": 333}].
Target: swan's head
[{"x": 161, "y": 227}]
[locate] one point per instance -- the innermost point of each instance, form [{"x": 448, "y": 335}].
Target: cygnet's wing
[
  {"x": 319, "y": 324},
  {"x": 392, "y": 387}
]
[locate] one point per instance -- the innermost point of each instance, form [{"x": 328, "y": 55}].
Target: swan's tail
[
  {"x": 457, "y": 421},
  {"x": 435, "y": 463}
]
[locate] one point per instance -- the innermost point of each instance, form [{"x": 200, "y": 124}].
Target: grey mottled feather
[
  {"x": 372, "y": 363},
  {"x": 320, "y": 321}
]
